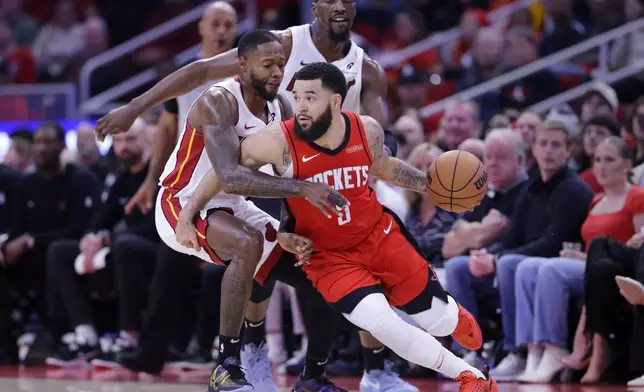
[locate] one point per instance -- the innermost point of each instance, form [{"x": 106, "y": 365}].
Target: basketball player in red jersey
[
  {"x": 330, "y": 35},
  {"x": 363, "y": 261}
]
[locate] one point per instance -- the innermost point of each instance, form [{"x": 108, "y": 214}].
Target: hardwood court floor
[{"x": 21, "y": 379}]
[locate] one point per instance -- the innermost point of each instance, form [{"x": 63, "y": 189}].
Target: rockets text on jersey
[{"x": 346, "y": 169}]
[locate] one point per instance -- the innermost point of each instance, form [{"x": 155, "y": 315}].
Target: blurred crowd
[{"x": 550, "y": 263}]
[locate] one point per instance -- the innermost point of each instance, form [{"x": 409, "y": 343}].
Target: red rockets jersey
[{"x": 346, "y": 169}]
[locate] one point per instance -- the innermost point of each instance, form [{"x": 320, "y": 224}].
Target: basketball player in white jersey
[
  {"x": 325, "y": 39},
  {"x": 232, "y": 231}
]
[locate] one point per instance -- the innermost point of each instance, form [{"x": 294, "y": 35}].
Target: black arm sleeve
[{"x": 171, "y": 106}]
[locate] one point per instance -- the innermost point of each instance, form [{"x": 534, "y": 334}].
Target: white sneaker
[
  {"x": 276, "y": 351},
  {"x": 257, "y": 367},
  {"x": 509, "y": 368},
  {"x": 473, "y": 359},
  {"x": 638, "y": 382}
]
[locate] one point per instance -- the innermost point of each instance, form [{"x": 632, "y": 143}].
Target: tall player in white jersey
[
  {"x": 326, "y": 38},
  {"x": 231, "y": 230}
]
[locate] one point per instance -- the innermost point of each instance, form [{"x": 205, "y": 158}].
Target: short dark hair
[
  {"x": 331, "y": 77},
  {"x": 606, "y": 122},
  {"x": 251, "y": 40},
  {"x": 58, "y": 129},
  {"x": 23, "y": 134}
]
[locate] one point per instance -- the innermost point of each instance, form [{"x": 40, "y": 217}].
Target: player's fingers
[
  {"x": 332, "y": 207},
  {"x": 195, "y": 241},
  {"x": 322, "y": 207},
  {"x": 338, "y": 199}
]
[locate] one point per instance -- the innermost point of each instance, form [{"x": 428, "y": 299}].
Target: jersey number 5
[
  {"x": 344, "y": 217},
  {"x": 292, "y": 83}
]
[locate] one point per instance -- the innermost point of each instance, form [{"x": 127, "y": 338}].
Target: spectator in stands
[
  {"x": 609, "y": 316},
  {"x": 498, "y": 121},
  {"x": 88, "y": 154},
  {"x": 605, "y": 16},
  {"x": 594, "y": 132},
  {"x": 474, "y": 146},
  {"x": 427, "y": 223},
  {"x": 561, "y": 30},
  {"x": 635, "y": 126},
  {"x": 482, "y": 64},
  {"x": 16, "y": 62},
  {"x": 20, "y": 154},
  {"x": 410, "y": 28},
  {"x": 412, "y": 87},
  {"x": 54, "y": 203},
  {"x": 550, "y": 210},
  {"x": 544, "y": 286},
  {"x": 472, "y": 20},
  {"x": 23, "y": 27},
  {"x": 409, "y": 133},
  {"x": 504, "y": 158},
  {"x": 601, "y": 99},
  {"x": 527, "y": 125},
  {"x": 460, "y": 122},
  {"x": 59, "y": 41},
  {"x": 117, "y": 246},
  {"x": 522, "y": 50},
  {"x": 627, "y": 51}
]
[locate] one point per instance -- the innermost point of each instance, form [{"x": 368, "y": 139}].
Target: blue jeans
[
  {"x": 543, "y": 289},
  {"x": 465, "y": 287},
  {"x": 506, "y": 268}
]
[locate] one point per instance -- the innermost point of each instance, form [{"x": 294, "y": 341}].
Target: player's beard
[
  {"x": 318, "y": 127},
  {"x": 338, "y": 36},
  {"x": 260, "y": 88}
]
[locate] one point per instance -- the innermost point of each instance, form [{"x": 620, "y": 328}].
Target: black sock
[
  {"x": 254, "y": 332},
  {"x": 374, "y": 359},
  {"x": 313, "y": 368},
  {"x": 228, "y": 347}
]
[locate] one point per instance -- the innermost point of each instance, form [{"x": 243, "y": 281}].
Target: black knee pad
[{"x": 262, "y": 293}]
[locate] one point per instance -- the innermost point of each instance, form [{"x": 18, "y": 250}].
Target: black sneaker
[
  {"x": 109, "y": 360},
  {"x": 73, "y": 356},
  {"x": 318, "y": 384},
  {"x": 229, "y": 377},
  {"x": 201, "y": 360}
]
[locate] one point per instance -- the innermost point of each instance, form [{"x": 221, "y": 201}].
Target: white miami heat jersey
[
  {"x": 304, "y": 52},
  {"x": 184, "y": 103},
  {"x": 189, "y": 161}
]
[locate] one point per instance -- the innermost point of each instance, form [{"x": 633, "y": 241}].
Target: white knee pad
[{"x": 441, "y": 319}]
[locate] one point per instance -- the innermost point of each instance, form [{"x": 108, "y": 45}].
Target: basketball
[{"x": 457, "y": 181}]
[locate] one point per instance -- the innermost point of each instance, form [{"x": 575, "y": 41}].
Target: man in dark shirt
[
  {"x": 549, "y": 210},
  {"x": 10, "y": 182},
  {"x": 504, "y": 157},
  {"x": 117, "y": 246}
]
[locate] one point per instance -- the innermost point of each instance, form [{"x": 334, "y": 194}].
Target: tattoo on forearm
[
  {"x": 406, "y": 176},
  {"x": 286, "y": 157},
  {"x": 284, "y": 218},
  {"x": 223, "y": 147}
]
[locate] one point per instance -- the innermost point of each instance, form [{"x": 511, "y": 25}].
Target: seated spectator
[
  {"x": 58, "y": 41},
  {"x": 16, "y": 62},
  {"x": 20, "y": 154},
  {"x": 522, "y": 50},
  {"x": 87, "y": 150},
  {"x": 410, "y": 28},
  {"x": 473, "y": 146},
  {"x": 117, "y": 247},
  {"x": 635, "y": 127},
  {"x": 594, "y": 132},
  {"x": 499, "y": 121},
  {"x": 408, "y": 131},
  {"x": 561, "y": 30},
  {"x": 427, "y": 223},
  {"x": 54, "y": 203},
  {"x": 10, "y": 183},
  {"x": 549, "y": 210},
  {"x": 472, "y": 20},
  {"x": 628, "y": 51},
  {"x": 23, "y": 27},
  {"x": 504, "y": 160},
  {"x": 413, "y": 85},
  {"x": 564, "y": 114},
  {"x": 601, "y": 100},
  {"x": 485, "y": 62},
  {"x": 527, "y": 125},
  {"x": 544, "y": 286},
  {"x": 460, "y": 122}
]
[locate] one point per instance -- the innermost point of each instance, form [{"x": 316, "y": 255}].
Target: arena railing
[
  {"x": 103, "y": 102},
  {"x": 496, "y": 17},
  {"x": 47, "y": 101},
  {"x": 601, "y": 73}
]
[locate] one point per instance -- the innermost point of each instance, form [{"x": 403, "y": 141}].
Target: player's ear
[
  {"x": 314, "y": 8},
  {"x": 337, "y": 101},
  {"x": 243, "y": 62}
]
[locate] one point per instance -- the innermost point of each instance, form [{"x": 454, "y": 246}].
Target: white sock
[
  {"x": 86, "y": 334},
  {"x": 374, "y": 314}
]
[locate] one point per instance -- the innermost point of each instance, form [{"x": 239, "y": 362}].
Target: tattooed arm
[{"x": 390, "y": 169}]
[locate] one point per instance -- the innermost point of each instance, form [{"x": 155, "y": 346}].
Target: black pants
[
  {"x": 129, "y": 267},
  {"x": 608, "y": 313}
]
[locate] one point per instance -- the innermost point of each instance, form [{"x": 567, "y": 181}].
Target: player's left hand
[
  {"x": 300, "y": 246},
  {"x": 185, "y": 232}
]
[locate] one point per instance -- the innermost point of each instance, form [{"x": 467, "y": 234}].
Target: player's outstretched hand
[
  {"x": 117, "y": 121},
  {"x": 186, "y": 232},
  {"x": 300, "y": 246},
  {"x": 325, "y": 198}
]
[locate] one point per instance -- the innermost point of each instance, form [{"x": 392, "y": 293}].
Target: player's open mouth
[
  {"x": 339, "y": 19},
  {"x": 274, "y": 86}
]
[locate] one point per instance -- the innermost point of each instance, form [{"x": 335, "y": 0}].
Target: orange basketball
[{"x": 457, "y": 181}]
